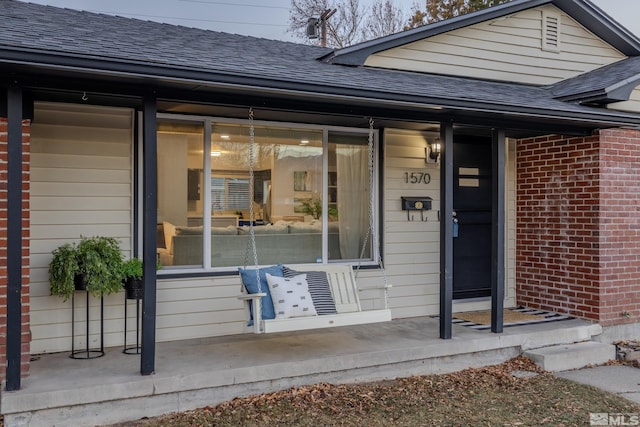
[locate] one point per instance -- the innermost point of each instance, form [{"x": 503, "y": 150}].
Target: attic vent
[{"x": 550, "y": 31}]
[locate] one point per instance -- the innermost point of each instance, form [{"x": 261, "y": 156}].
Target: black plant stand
[
  {"x": 137, "y": 348},
  {"x": 87, "y": 353}
]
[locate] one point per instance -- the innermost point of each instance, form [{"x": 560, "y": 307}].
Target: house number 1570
[{"x": 417, "y": 178}]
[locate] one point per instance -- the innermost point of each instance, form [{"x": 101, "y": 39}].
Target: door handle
[{"x": 454, "y": 218}]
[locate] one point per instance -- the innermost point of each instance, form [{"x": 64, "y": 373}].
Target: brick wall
[
  {"x": 620, "y": 226},
  {"x": 578, "y": 225},
  {"x": 26, "y": 335}
]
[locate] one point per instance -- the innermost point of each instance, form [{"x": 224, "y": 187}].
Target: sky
[{"x": 265, "y": 18}]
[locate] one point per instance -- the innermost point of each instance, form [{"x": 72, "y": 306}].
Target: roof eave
[
  {"x": 191, "y": 79},
  {"x": 583, "y": 11},
  {"x": 601, "y": 24}
]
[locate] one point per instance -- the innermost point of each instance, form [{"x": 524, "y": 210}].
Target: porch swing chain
[
  {"x": 252, "y": 236},
  {"x": 371, "y": 229}
]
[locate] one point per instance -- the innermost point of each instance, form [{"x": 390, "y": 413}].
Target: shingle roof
[
  {"x": 611, "y": 83},
  {"x": 66, "y": 31},
  {"x": 50, "y": 36}
]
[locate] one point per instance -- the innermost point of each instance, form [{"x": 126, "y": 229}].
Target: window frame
[{"x": 208, "y": 123}]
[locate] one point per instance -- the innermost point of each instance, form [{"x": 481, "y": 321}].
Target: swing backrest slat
[{"x": 344, "y": 288}]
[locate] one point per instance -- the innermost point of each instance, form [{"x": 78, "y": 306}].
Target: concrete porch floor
[{"x": 61, "y": 391}]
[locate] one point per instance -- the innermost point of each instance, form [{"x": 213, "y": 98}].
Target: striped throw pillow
[{"x": 318, "y": 288}]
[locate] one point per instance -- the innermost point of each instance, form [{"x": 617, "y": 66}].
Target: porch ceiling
[
  {"x": 340, "y": 107},
  {"x": 295, "y": 108}
]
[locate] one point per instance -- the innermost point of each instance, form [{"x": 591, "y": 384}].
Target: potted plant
[
  {"x": 94, "y": 264},
  {"x": 63, "y": 269},
  {"x": 132, "y": 277}
]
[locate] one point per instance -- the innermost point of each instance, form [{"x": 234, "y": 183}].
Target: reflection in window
[
  {"x": 229, "y": 193},
  {"x": 349, "y": 156},
  {"x": 299, "y": 205},
  {"x": 287, "y": 180},
  {"x": 180, "y": 183}
]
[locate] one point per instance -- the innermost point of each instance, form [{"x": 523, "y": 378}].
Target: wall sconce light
[{"x": 432, "y": 151}]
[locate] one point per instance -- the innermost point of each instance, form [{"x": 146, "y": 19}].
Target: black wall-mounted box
[{"x": 416, "y": 203}]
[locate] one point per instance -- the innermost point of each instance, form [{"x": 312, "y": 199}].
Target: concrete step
[{"x": 572, "y": 356}]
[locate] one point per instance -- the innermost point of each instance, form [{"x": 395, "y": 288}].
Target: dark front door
[{"x": 472, "y": 207}]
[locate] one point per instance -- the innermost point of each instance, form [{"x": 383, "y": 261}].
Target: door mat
[{"x": 481, "y": 320}]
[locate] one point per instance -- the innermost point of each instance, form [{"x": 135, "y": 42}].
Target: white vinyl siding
[
  {"x": 507, "y": 49},
  {"x": 412, "y": 248},
  {"x": 81, "y": 185},
  {"x": 196, "y": 308}
]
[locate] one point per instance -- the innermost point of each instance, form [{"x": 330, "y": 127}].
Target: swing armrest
[{"x": 256, "y": 307}]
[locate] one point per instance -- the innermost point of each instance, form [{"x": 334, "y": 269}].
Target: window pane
[
  {"x": 218, "y": 194},
  {"x": 348, "y": 206},
  {"x": 287, "y": 185},
  {"x": 180, "y": 196},
  {"x": 238, "y": 190}
]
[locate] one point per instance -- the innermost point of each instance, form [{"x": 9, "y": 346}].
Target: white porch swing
[{"x": 341, "y": 278}]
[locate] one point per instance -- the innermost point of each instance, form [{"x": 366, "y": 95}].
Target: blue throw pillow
[{"x": 249, "y": 280}]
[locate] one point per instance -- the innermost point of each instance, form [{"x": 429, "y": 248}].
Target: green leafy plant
[
  {"x": 132, "y": 271},
  {"x": 62, "y": 270},
  {"x": 313, "y": 207},
  {"x": 98, "y": 262},
  {"x": 132, "y": 268}
]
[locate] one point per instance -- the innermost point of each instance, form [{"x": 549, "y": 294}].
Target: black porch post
[
  {"x": 149, "y": 237},
  {"x": 498, "y": 230},
  {"x": 446, "y": 230},
  {"x": 14, "y": 237}
]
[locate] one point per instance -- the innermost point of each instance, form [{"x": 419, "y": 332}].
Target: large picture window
[{"x": 310, "y": 198}]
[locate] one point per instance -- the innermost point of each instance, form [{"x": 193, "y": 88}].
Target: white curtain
[{"x": 352, "y": 198}]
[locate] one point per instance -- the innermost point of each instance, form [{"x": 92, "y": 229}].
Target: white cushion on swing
[{"x": 290, "y": 296}]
